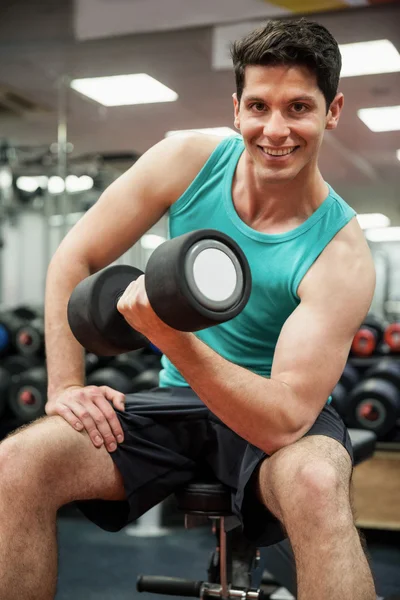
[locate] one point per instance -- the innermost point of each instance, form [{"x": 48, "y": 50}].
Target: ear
[
  {"x": 332, "y": 118},
  {"x": 236, "y": 120}
]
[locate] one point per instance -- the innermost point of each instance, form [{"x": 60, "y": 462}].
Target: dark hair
[{"x": 291, "y": 42}]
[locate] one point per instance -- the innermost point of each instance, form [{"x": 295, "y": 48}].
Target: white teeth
[{"x": 278, "y": 152}]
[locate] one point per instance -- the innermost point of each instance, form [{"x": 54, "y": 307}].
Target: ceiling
[{"x": 38, "y": 45}]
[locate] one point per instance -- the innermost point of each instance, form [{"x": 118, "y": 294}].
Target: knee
[
  {"x": 314, "y": 487},
  {"x": 26, "y": 460}
]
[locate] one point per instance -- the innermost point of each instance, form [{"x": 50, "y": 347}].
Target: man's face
[{"x": 282, "y": 118}]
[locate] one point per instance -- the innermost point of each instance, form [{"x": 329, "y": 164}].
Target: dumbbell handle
[{"x": 170, "y": 586}]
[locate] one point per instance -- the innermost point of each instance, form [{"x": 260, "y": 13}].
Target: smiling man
[{"x": 249, "y": 398}]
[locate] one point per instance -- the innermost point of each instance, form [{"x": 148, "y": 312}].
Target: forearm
[
  {"x": 64, "y": 355},
  {"x": 261, "y": 410}
]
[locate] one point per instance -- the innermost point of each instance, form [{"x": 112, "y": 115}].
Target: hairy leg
[
  {"x": 307, "y": 487},
  {"x": 44, "y": 466}
]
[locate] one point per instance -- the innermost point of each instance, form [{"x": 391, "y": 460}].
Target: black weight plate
[
  {"x": 384, "y": 400},
  {"x": 147, "y": 380},
  {"x": 17, "y": 363},
  {"x": 29, "y": 339},
  {"x": 111, "y": 378},
  {"x": 339, "y": 399},
  {"x": 28, "y": 395},
  {"x": 5, "y": 382},
  {"x": 169, "y": 293},
  {"x": 387, "y": 369},
  {"x": 93, "y": 317},
  {"x": 128, "y": 365},
  {"x": 350, "y": 377}
]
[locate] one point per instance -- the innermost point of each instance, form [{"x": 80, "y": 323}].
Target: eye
[
  {"x": 258, "y": 106},
  {"x": 299, "y": 107}
]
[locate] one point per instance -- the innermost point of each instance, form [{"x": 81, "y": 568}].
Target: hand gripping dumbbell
[{"x": 193, "y": 281}]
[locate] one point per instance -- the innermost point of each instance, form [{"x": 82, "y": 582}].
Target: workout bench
[{"x": 229, "y": 570}]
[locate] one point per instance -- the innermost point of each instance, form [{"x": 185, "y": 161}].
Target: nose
[{"x": 276, "y": 127}]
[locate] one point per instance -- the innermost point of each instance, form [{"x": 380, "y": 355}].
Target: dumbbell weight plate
[
  {"x": 111, "y": 378},
  {"x": 93, "y": 317},
  {"x": 17, "y": 363},
  {"x": 392, "y": 336},
  {"x": 5, "y": 381},
  {"x": 374, "y": 404},
  {"x": 29, "y": 338},
  {"x": 147, "y": 380},
  {"x": 198, "y": 280},
  {"x": 28, "y": 395},
  {"x": 128, "y": 365},
  {"x": 368, "y": 337}
]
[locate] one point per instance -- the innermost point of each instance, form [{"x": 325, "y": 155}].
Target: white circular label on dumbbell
[{"x": 214, "y": 274}]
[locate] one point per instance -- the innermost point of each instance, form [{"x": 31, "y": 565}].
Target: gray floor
[{"x": 96, "y": 565}]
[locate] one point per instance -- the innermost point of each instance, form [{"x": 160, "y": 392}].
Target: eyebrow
[{"x": 303, "y": 98}]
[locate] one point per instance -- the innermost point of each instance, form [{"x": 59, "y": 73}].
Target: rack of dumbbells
[
  {"x": 23, "y": 377},
  {"x": 368, "y": 393}
]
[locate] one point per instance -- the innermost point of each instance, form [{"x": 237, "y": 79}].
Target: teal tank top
[{"x": 278, "y": 262}]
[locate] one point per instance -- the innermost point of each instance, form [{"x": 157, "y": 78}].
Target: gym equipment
[
  {"x": 16, "y": 363},
  {"x": 128, "y": 364},
  {"x": 150, "y": 378},
  {"x": 9, "y": 325},
  {"x": 229, "y": 572},
  {"x": 112, "y": 378},
  {"x": 349, "y": 378},
  {"x": 29, "y": 339},
  {"x": 193, "y": 281},
  {"x": 28, "y": 394},
  {"x": 368, "y": 337},
  {"x": 5, "y": 381},
  {"x": 392, "y": 337},
  {"x": 94, "y": 362},
  {"x": 374, "y": 403},
  {"x": 27, "y": 312}
]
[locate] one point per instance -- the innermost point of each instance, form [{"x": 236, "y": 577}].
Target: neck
[{"x": 278, "y": 206}]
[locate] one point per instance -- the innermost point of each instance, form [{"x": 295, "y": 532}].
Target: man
[{"x": 248, "y": 398}]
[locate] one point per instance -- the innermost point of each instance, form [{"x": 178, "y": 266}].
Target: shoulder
[
  {"x": 344, "y": 272},
  {"x": 176, "y": 160}
]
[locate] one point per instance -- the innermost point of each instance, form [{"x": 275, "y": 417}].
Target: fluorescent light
[
  {"x": 151, "y": 241},
  {"x": 121, "y": 90},
  {"x": 398, "y": 154},
  {"x": 221, "y": 131},
  {"x": 31, "y": 184},
  {"x": 369, "y": 58},
  {"x": 386, "y": 118},
  {"x": 373, "y": 220},
  {"x": 384, "y": 234}
]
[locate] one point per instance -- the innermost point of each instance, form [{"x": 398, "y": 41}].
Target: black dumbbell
[
  {"x": 348, "y": 380},
  {"x": 16, "y": 363},
  {"x": 392, "y": 337},
  {"x": 193, "y": 281},
  {"x": 28, "y": 394},
  {"x": 375, "y": 402},
  {"x": 9, "y": 325},
  {"x": 29, "y": 339},
  {"x": 368, "y": 337},
  {"x": 149, "y": 379},
  {"x": 111, "y": 378}
]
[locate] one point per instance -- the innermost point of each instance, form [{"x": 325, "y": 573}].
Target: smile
[{"x": 278, "y": 152}]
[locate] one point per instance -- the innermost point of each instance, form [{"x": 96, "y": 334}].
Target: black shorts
[{"x": 170, "y": 437}]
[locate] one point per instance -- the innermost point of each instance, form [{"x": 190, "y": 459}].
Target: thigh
[
  {"x": 165, "y": 435},
  {"x": 63, "y": 463}
]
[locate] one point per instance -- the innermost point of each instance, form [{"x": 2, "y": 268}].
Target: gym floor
[{"x": 97, "y": 565}]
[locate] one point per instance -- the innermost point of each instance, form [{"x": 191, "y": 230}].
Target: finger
[
  {"x": 63, "y": 411},
  {"x": 111, "y": 418},
  {"x": 93, "y": 421},
  {"x": 117, "y": 398}
]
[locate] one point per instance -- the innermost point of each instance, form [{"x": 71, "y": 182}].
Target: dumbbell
[
  {"x": 392, "y": 337},
  {"x": 348, "y": 380},
  {"x": 29, "y": 338},
  {"x": 150, "y": 378},
  {"x": 16, "y": 363},
  {"x": 368, "y": 337},
  {"x": 374, "y": 403},
  {"x": 28, "y": 394},
  {"x": 112, "y": 378},
  {"x": 194, "y": 281},
  {"x": 128, "y": 364},
  {"x": 9, "y": 325}
]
